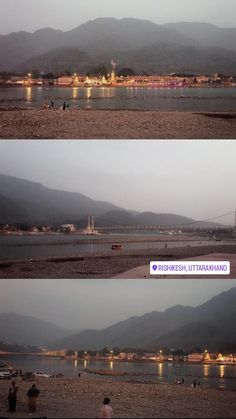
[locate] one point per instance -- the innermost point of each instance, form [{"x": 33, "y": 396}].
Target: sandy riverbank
[
  {"x": 114, "y": 124},
  {"x": 144, "y": 271},
  {"x": 104, "y": 266},
  {"x": 82, "y": 397}
]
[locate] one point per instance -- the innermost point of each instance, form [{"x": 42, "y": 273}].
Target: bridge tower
[
  {"x": 90, "y": 226},
  {"x": 113, "y": 73},
  {"x": 92, "y": 222}
]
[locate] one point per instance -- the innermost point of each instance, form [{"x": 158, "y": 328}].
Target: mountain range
[
  {"x": 28, "y": 330},
  {"x": 210, "y": 325},
  {"x": 139, "y": 44},
  {"x": 26, "y": 202}
]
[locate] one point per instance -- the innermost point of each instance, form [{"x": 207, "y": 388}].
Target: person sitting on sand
[
  {"x": 106, "y": 410},
  {"x": 32, "y": 394}
]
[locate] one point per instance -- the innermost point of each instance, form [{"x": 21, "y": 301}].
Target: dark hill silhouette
[
  {"x": 28, "y": 330},
  {"x": 194, "y": 335},
  {"x": 128, "y": 41},
  {"x": 44, "y": 205},
  {"x": 211, "y": 325},
  {"x": 30, "y": 203},
  {"x": 207, "y": 34}
]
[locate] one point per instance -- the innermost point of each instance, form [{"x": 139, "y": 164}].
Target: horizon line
[{"x": 118, "y": 19}]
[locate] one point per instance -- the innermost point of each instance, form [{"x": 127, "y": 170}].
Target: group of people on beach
[
  {"x": 33, "y": 393},
  {"x": 64, "y": 107},
  {"x": 195, "y": 382}
]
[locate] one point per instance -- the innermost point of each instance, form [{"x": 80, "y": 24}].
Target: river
[
  {"x": 62, "y": 245},
  {"x": 215, "y": 376},
  {"x": 135, "y": 98}
]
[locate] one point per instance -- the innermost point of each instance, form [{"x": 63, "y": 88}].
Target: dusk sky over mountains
[
  {"x": 99, "y": 303},
  {"x": 132, "y": 175},
  {"x": 67, "y": 15}
]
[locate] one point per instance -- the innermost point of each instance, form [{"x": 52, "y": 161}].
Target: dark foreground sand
[
  {"x": 107, "y": 266},
  {"x": 82, "y": 397},
  {"x": 114, "y": 124}
]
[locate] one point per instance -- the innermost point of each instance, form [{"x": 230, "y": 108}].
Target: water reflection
[
  {"x": 88, "y": 92},
  {"x": 160, "y": 369},
  {"x": 108, "y": 92},
  {"x": 85, "y": 363},
  {"x": 148, "y": 98},
  {"x": 111, "y": 365},
  {"x": 222, "y": 371},
  {"x": 206, "y": 368},
  {"x": 28, "y": 93},
  {"x": 75, "y": 93},
  {"x": 76, "y": 363}
]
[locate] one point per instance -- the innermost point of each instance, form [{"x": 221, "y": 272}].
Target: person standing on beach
[
  {"x": 106, "y": 410},
  {"x": 32, "y": 394},
  {"x": 12, "y": 397}
]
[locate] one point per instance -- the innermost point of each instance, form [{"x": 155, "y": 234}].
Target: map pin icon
[{"x": 154, "y": 268}]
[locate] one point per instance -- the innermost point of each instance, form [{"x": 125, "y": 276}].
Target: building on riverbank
[{"x": 173, "y": 80}]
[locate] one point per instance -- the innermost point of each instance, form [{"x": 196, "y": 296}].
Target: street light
[
  {"x": 29, "y": 79},
  {"x": 75, "y": 81}
]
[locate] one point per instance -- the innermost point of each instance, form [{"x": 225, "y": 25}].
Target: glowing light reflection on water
[
  {"x": 139, "y": 98},
  {"x": 218, "y": 376}
]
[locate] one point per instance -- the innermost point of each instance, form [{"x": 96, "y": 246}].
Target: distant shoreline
[
  {"x": 114, "y": 124},
  {"x": 137, "y": 360}
]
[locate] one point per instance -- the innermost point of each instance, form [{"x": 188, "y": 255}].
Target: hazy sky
[
  {"x": 88, "y": 303},
  {"x": 31, "y": 15},
  {"x": 191, "y": 178}
]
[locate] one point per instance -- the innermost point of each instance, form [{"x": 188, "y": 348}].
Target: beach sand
[
  {"x": 82, "y": 398},
  {"x": 144, "y": 271},
  {"x": 114, "y": 124},
  {"x": 108, "y": 266}
]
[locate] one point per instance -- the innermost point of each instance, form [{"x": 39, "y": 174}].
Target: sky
[
  {"x": 191, "y": 178},
  {"x": 81, "y": 304},
  {"x": 31, "y": 15}
]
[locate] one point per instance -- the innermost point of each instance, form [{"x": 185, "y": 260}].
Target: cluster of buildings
[
  {"x": 8, "y": 229},
  {"x": 197, "y": 358},
  {"x": 72, "y": 228},
  {"x": 161, "y": 81}
]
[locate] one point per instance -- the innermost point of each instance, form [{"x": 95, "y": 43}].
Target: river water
[
  {"x": 216, "y": 376},
  {"x": 136, "y": 98},
  {"x": 27, "y": 247}
]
